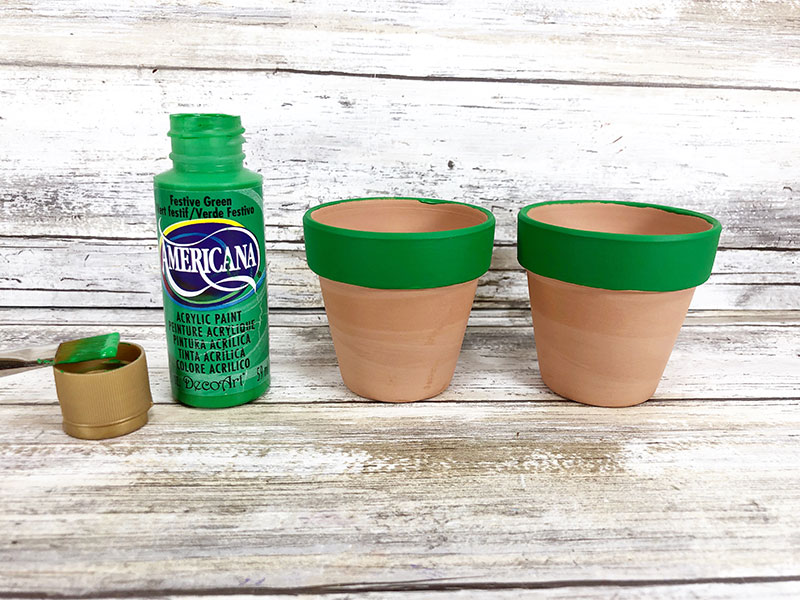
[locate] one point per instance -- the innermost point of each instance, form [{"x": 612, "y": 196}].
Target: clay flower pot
[
  {"x": 610, "y": 284},
  {"x": 398, "y": 277}
]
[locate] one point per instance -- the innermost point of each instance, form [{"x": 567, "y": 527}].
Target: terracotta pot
[
  {"x": 610, "y": 284},
  {"x": 398, "y": 278}
]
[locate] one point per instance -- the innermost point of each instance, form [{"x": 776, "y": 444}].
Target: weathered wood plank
[
  {"x": 87, "y": 172},
  {"x": 500, "y": 489},
  {"x": 715, "y": 358},
  {"x": 287, "y": 496},
  {"x": 645, "y": 41},
  {"x": 107, "y": 273}
]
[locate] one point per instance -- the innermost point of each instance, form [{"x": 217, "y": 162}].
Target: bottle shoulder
[{"x": 181, "y": 180}]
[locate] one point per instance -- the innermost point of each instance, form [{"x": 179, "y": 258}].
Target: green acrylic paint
[{"x": 213, "y": 268}]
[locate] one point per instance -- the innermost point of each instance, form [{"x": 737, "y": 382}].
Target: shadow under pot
[
  {"x": 398, "y": 278},
  {"x": 610, "y": 285}
]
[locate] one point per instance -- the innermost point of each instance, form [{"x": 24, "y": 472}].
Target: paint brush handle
[{"x": 17, "y": 361}]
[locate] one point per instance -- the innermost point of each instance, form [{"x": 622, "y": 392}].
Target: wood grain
[
  {"x": 88, "y": 173},
  {"x": 78, "y": 192},
  {"x": 498, "y": 489},
  {"x": 640, "y": 42},
  {"x": 105, "y": 273},
  {"x": 737, "y": 355},
  {"x": 289, "y": 496},
  {"x": 633, "y": 590}
]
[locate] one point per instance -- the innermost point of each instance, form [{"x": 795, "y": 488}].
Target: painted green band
[
  {"x": 617, "y": 261},
  {"x": 390, "y": 260}
]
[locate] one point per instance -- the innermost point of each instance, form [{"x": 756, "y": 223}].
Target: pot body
[
  {"x": 604, "y": 347},
  {"x": 397, "y": 345}
]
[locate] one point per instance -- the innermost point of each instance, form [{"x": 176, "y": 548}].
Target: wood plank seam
[
  {"x": 539, "y": 402},
  {"x": 408, "y": 586},
  {"x": 402, "y": 77}
]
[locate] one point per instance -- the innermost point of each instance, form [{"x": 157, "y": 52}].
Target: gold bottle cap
[{"x": 105, "y": 398}]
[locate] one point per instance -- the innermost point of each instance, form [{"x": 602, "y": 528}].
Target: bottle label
[
  {"x": 209, "y": 263},
  {"x": 213, "y": 272}
]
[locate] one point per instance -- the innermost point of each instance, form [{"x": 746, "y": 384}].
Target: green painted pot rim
[
  {"x": 617, "y": 261},
  {"x": 399, "y": 260}
]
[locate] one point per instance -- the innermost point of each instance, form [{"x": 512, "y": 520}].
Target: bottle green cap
[
  {"x": 206, "y": 141},
  {"x": 679, "y": 258},
  {"x": 455, "y": 245}
]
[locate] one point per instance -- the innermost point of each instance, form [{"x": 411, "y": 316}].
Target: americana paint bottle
[{"x": 213, "y": 267}]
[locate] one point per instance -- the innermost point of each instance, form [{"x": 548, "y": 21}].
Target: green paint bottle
[{"x": 213, "y": 267}]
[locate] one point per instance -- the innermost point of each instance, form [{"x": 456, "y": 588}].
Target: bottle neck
[
  {"x": 206, "y": 164},
  {"x": 206, "y": 143}
]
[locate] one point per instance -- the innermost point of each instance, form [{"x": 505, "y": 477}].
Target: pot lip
[
  {"x": 399, "y": 260},
  {"x": 617, "y": 261},
  {"x": 309, "y": 221},
  {"x": 713, "y": 231}
]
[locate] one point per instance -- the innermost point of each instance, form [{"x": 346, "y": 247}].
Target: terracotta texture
[
  {"x": 604, "y": 347},
  {"x": 618, "y": 218},
  {"x": 397, "y": 345},
  {"x": 399, "y": 215}
]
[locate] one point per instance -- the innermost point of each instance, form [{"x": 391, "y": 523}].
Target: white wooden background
[{"x": 499, "y": 489}]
